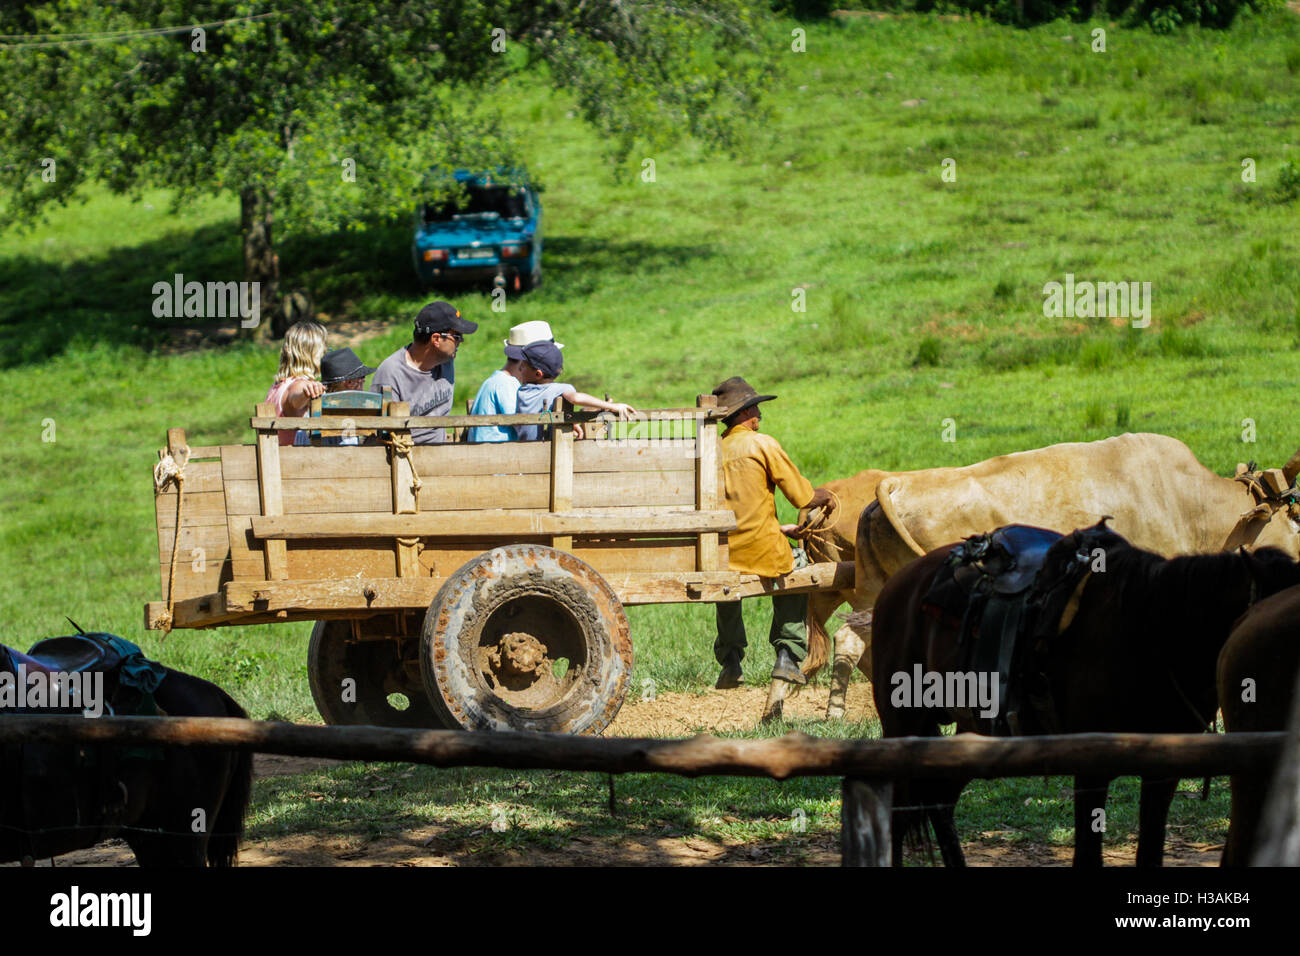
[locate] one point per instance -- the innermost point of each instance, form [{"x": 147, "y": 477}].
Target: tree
[{"x": 335, "y": 110}]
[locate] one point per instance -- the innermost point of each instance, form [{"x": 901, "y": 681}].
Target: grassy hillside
[{"x": 923, "y": 297}]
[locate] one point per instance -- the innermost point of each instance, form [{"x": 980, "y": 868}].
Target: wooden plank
[
  {"x": 363, "y": 558},
  {"x": 561, "y": 476},
  {"x": 617, "y": 455},
  {"x": 200, "y": 477},
  {"x": 346, "y": 559},
  {"x": 644, "y": 556},
  {"x": 330, "y": 495},
  {"x": 202, "y": 561},
  {"x": 197, "y": 611},
  {"x": 865, "y": 807},
  {"x": 493, "y": 523},
  {"x": 337, "y": 594},
  {"x": 674, "y": 489},
  {"x": 964, "y": 756},
  {"x": 405, "y": 499},
  {"x": 497, "y": 458},
  {"x": 198, "y": 452},
  {"x": 720, "y": 587},
  {"x": 262, "y": 422},
  {"x": 663, "y": 489},
  {"x": 706, "y": 482},
  {"x": 240, "y": 461},
  {"x": 270, "y": 491},
  {"x": 203, "y": 508},
  {"x": 390, "y": 593},
  {"x": 247, "y": 559}
]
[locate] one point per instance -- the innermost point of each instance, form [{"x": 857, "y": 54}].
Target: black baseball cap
[
  {"x": 545, "y": 357},
  {"x": 341, "y": 365},
  {"x": 443, "y": 317}
]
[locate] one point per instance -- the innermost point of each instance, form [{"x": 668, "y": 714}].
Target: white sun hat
[{"x": 526, "y": 333}]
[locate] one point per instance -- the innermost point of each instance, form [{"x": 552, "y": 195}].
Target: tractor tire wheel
[
  {"x": 525, "y": 637},
  {"x": 380, "y": 679}
]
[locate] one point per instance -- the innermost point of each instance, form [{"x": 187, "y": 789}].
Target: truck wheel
[
  {"x": 525, "y": 637},
  {"x": 380, "y": 679}
]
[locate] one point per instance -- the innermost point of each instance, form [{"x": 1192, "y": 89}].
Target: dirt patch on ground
[
  {"x": 430, "y": 846},
  {"x": 676, "y": 715}
]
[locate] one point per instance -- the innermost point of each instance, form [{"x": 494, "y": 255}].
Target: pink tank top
[{"x": 276, "y": 394}]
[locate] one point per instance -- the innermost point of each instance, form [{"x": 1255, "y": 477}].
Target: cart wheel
[
  {"x": 525, "y": 637},
  {"x": 379, "y": 674}
]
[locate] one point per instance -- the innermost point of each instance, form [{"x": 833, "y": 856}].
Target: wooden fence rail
[{"x": 867, "y": 766}]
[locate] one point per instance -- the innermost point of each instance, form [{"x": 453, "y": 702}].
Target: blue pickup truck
[{"x": 492, "y": 235}]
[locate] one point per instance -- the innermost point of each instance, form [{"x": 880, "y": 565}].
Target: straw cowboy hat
[
  {"x": 735, "y": 395},
  {"x": 526, "y": 333}
]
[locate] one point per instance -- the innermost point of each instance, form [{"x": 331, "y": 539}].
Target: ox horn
[{"x": 1292, "y": 468}]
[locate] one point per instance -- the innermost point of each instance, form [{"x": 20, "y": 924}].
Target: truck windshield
[{"x": 508, "y": 202}]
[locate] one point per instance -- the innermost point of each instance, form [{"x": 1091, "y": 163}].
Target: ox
[{"x": 1159, "y": 496}]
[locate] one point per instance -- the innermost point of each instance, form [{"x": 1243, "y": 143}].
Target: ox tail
[
  {"x": 818, "y": 640},
  {"x": 228, "y": 828},
  {"x": 884, "y": 495}
]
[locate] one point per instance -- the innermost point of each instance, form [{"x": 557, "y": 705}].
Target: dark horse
[
  {"x": 173, "y": 806},
  {"x": 1128, "y": 649},
  {"x": 1264, "y": 649}
]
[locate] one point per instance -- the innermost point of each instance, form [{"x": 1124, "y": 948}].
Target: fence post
[
  {"x": 1277, "y": 840},
  {"x": 865, "y": 807}
]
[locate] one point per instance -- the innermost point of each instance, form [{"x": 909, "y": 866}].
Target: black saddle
[
  {"x": 80, "y": 652},
  {"x": 129, "y": 677},
  {"x": 985, "y": 588}
]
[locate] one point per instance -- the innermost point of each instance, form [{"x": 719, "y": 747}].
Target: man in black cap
[
  {"x": 754, "y": 465},
  {"x": 424, "y": 372}
]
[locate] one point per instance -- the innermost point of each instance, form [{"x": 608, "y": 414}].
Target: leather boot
[
  {"x": 786, "y": 668},
  {"x": 731, "y": 675}
]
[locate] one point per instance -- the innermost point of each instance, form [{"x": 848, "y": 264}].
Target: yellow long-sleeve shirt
[{"x": 754, "y": 464}]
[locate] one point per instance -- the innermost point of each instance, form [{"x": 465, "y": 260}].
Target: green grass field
[{"x": 923, "y": 303}]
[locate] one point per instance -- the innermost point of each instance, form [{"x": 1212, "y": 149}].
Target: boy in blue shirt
[
  {"x": 542, "y": 362},
  {"x": 497, "y": 396}
]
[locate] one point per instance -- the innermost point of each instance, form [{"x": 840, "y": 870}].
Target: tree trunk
[{"x": 261, "y": 265}]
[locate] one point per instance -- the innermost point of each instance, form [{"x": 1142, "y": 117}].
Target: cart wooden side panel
[{"x": 271, "y": 532}]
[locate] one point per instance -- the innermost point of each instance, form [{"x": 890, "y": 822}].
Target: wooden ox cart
[{"x": 476, "y": 586}]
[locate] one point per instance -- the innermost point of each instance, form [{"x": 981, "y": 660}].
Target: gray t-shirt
[
  {"x": 430, "y": 393},
  {"x": 535, "y": 399}
]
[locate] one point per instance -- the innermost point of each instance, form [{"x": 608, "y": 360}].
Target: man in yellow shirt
[{"x": 754, "y": 465}]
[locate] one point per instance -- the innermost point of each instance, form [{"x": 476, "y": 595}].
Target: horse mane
[{"x": 1192, "y": 594}]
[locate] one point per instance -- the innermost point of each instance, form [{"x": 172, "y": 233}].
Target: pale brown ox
[{"x": 1161, "y": 498}]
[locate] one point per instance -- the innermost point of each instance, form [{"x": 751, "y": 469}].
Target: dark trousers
[{"x": 788, "y": 628}]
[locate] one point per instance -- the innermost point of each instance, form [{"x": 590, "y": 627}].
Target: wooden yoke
[
  {"x": 561, "y": 498},
  {"x": 707, "y": 488},
  {"x": 270, "y": 491},
  {"x": 405, "y": 501}
]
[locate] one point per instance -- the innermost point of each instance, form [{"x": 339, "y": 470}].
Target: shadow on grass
[
  {"x": 47, "y": 307},
  {"x": 578, "y": 265},
  {"x": 478, "y": 814}
]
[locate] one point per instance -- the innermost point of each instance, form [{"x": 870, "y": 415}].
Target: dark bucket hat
[
  {"x": 736, "y": 395},
  {"x": 341, "y": 365}
]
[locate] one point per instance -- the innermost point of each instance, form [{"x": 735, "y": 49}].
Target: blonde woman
[{"x": 296, "y": 384}]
